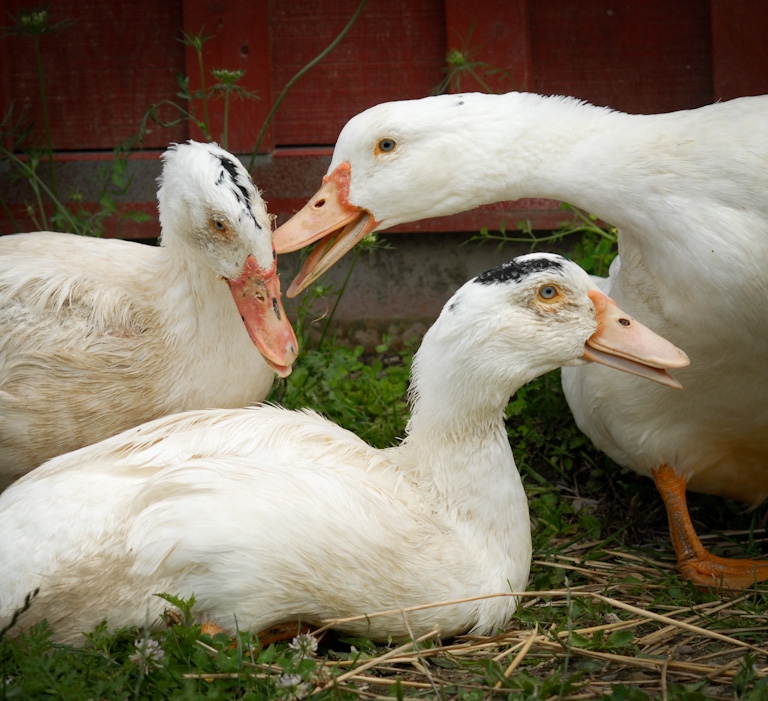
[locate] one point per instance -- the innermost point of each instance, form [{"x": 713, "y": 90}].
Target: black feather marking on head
[
  {"x": 516, "y": 270},
  {"x": 241, "y": 192}
]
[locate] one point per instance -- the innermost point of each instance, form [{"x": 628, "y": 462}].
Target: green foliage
[
  {"x": 35, "y": 23},
  {"x": 746, "y": 684},
  {"x": 594, "y": 250},
  {"x": 463, "y": 63},
  {"x": 574, "y": 491},
  {"x": 366, "y": 395},
  {"x": 368, "y": 398},
  {"x": 172, "y": 662},
  {"x": 619, "y": 692},
  {"x": 598, "y": 641},
  {"x": 529, "y": 688},
  {"x": 192, "y": 102}
]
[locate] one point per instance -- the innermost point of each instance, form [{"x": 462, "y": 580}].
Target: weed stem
[
  {"x": 298, "y": 75},
  {"x": 46, "y": 122}
]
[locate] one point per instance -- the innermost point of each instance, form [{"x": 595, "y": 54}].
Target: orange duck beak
[
  {"x": 328, "y": 218},
  {"x": 257, "y": 296},
  {"x": 623, "y": 343}
]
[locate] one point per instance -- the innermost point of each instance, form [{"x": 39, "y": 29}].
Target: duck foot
[
  {"x": 694, "y": 561},
  {"x": 284, "y": 631},
  {"x": 274, "y": 634}
]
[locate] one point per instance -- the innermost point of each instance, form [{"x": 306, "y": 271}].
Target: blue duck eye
[
  {"x": 548, "y": 292},
  {"x": 387, "y": 145}
]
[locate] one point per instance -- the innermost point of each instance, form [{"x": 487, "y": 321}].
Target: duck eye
[
  {"x": 219, "y": 225},
  {"x": 386, "y": 145},
  {"x": 548, "y": 292}
]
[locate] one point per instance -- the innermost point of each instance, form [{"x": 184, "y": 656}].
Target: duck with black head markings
[
  {"x": 98, "y": 335},
  {"x": 271, "y": 516}
]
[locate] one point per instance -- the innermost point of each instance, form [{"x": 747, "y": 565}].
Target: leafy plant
[
  {"x": 167, "y": 663},
  {"x": 35, "y": 23},
  {"x": 463, "y": 63},
  {"x": 593, "y": 251},
  {"x": 226, "y": 87},
  {"x": 65, "y": 215},
  {"x": 366, "y": 395}
]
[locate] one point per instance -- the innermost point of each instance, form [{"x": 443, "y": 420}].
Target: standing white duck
[
  {"x": 270, "y": 515},
  {"x": 100, "y": 335},
  {"x": 688, "y": 193}
]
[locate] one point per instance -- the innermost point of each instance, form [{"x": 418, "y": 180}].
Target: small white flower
[
  {"x": 293, "y": 685},
  {"x": 149, "y": 655},
  {"x": 304, "y": 645}
]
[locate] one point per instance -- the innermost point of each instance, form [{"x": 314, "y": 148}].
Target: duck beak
[
  {"x": 257, "y": 296},
  {"x": 623, "y": 343},
  {"x": 331, "y": 220}
]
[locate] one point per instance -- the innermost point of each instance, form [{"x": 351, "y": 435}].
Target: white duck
[
  {"x": 272, "y": 515},
  {"x": 100, "y": 335},
  {"x": 688, "y": 193}
]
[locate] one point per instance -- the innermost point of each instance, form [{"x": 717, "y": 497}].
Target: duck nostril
[
  {"x": 624, "y": 322},
  {"x": 318, "y": 204}
]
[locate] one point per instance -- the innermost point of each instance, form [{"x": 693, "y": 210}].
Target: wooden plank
[
  {"x": 640, "y": 56},
  {"x": 239, "y": 41},
  {"x": 5, "y": 78},
  {"x": 395, "y": 51},
  {"x": 644, "y": 56},
  {"x": 101, "y": 73},
  {"x": 739, "y": 48},
  {"x": 488, "y": 50},
  {"x": 493, "y": 38},
  {"x": 287, "y": 177}
]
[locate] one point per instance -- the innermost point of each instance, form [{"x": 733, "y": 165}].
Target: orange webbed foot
[
  {"x": 712, "y": 572},
  {"x": 275, "y": 634},
  {"x": 694, "y": 561}
]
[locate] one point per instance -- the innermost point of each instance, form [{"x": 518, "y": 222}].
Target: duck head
[
  {"x": 209, "y": 203},
  {"x": 392, "y": 165},
  {"x": 539, "y": 312}
]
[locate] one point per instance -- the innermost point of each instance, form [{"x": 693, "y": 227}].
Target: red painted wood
[
  {"x": 101, "y": 73},
  {"x": 239, "y": 41},
  {"x": 395, "y": 51},
  {"x": 634, "y": 55},
  {"x": 739, "y": 48},
  {"x": 494, "y": 35},
  {"x": 5, "y": 77}
]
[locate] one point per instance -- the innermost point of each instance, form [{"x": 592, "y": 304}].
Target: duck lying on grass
[
  {"x": 268, "y": 515},
  {"x": 688, "y": 193},
  {"x": 97, "y": 335}
]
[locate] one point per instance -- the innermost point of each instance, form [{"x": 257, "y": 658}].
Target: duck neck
[
  {"x": 456, "y": 445},
  {"x": 551, "y": 147},
  {"x": 192, "y": 290}
]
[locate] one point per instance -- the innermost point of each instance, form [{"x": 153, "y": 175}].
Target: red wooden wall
[{"x": 117, "y": 58}]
